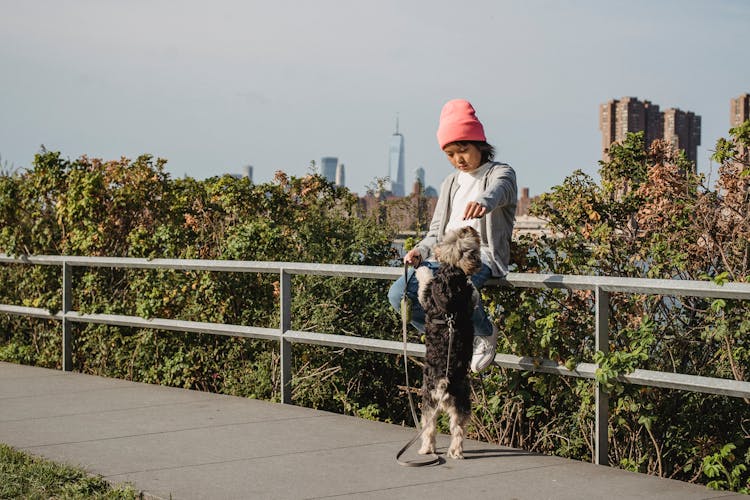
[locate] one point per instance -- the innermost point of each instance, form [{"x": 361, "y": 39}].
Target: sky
[{"x": 214, "y": 86}]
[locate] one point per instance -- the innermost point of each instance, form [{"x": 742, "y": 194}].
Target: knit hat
[{"x": 459, "y": 122}]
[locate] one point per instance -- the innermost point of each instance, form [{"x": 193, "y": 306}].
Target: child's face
[{"x": 465, "y": 157}]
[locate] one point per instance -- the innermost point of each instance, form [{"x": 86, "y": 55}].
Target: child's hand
[
  {"x": 413, "y": 257},
  {"x": 474, "y": 210}
]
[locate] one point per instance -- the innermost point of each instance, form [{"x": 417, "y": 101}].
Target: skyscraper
[
  {"x": 683, "y": 130},
  {"x": 340, "y": 175},
  {"x": 419, "y": 176},
  {"x": 396, "y": 163},
  {"x": 739, "y": 110},
  {"x": 619, "y": 117},
  {"x": 328, "y": 167}
]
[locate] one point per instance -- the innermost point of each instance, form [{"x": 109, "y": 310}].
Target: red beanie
[{"x": 459, "y": 122}]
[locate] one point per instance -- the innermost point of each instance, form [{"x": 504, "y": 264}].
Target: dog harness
[{"x": 451, "y": 331}]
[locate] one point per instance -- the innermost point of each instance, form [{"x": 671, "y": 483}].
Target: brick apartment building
[
  {"x": 739, "y": 110},
  {"x": 618, "y": 117}
]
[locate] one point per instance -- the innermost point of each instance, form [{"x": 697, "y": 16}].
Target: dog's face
[{"x": 460, "y": 248}]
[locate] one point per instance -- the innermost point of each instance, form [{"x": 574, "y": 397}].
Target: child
[{"x": 481, "y": 193}]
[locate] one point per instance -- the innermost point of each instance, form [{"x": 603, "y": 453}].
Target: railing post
[
  {"x": 601, "y": 443},
  {"x": 285, "y": 347},
  {"x": 67, "y": 305}
]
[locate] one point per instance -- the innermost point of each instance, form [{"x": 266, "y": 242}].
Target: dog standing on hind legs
[{"x": 448, "y": 298}]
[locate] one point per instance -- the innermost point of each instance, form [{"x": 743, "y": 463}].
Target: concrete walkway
[{"x": 186, "y": 444}]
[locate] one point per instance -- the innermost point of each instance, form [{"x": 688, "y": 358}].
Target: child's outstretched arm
[{"x": 501, "y": 189}]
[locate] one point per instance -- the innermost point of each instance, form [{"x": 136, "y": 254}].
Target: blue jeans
[{"x": 482, "y": 323}]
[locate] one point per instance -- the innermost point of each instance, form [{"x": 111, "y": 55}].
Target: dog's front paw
[
  {"x": 456, "y": 454},
  {"x": 427, "y": 449},
  {"x": 424, "y": 276}
]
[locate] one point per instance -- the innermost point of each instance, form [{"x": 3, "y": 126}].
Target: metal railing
[{"x": 601, "y": 286}]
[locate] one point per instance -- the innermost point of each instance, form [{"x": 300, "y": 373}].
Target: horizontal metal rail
[
  {"x": 601, "y": 285},
  {"x": 523, "y": 280}
]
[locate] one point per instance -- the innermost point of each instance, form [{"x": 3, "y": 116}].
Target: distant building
[
  {"x": 328, "y": 166},
  {"x": 340, "y": 175},
  {"x": 528, "y": 224},
  {"x": 739, "y": 110},
  {"x": 419, "y": 175},
  {"x": 619, "y": 117},
  {"x": 247, "y": 172},
  {"x": 396, "y": 164},
  {"x": 419, "y": 185},
  {"x": 683, "y": 130},
  {"x": 524, "y": 202}
]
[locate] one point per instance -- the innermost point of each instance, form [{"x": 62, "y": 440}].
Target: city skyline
[{"x": 197, "y": 87}]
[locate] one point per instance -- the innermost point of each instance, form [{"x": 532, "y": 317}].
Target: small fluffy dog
[{"x": 448, "y": 298}]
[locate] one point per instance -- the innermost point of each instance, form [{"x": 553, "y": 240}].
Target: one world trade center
[{"x": 396, "y": 163}]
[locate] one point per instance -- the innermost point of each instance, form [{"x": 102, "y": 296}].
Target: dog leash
[
  {"x": 406, "y": 311},
  {"x": 451, "y": 332},
  {"x": 405, "y": 319}
]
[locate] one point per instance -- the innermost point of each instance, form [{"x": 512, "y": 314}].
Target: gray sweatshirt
[{"x": 499, "y": 197}]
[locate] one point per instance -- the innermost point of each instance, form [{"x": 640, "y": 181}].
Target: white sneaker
[{"x": 484, "y": 351}]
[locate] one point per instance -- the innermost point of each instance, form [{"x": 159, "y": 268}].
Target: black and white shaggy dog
[{"x": 448, "y": 298}]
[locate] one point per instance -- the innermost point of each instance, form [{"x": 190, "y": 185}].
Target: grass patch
[{"x": 29, "y": 477}]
